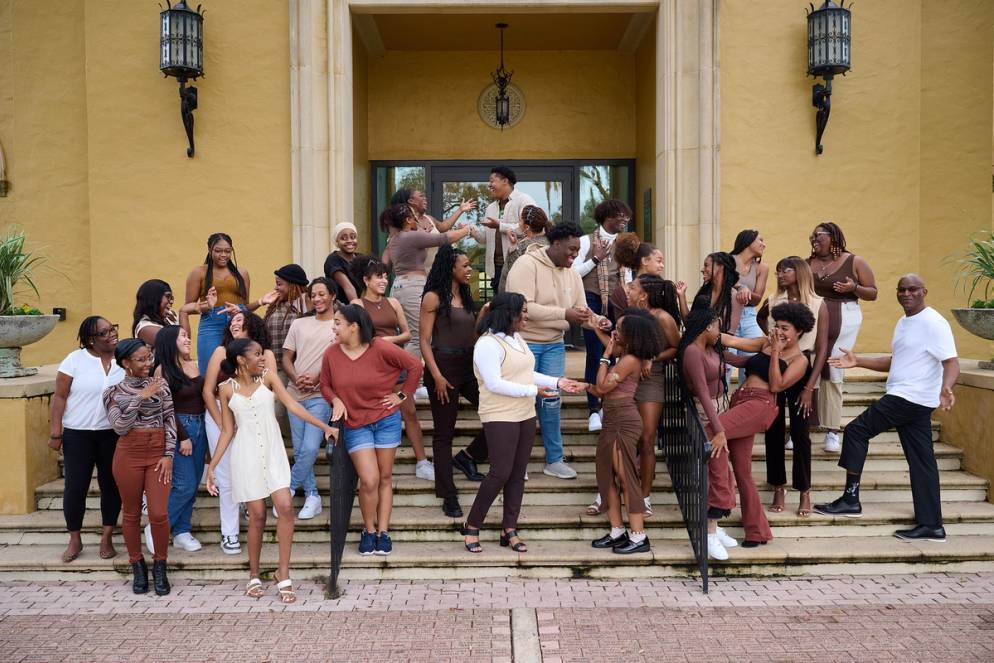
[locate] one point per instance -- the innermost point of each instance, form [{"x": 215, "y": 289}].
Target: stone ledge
[
  {"x": 972, "y": 375},
  {"x": 41, "y": 384}
]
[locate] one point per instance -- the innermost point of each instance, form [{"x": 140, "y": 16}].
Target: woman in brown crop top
[
  {"x": 390, "y": 324},
  {"x": 230, "y": 284},
  {"x": 842, "y": 279},
  {"x": 448, "y": 335}
]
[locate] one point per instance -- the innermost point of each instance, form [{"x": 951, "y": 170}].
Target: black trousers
[
  {"x": 82, "y": 450},
  {"x": 594, "y": 349},
  {"x": 458, "y": 371},
  {"x": 495, "y": 281},
  {"x": 914, "y": 426},
  {"x": 776, "y": 437}
]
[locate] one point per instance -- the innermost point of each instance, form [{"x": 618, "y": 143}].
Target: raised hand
[
  {"x": 844, "y": 286},
  {"x": 269, "y": 298},
  {"x": 211, "y": 297},
  {"x": 153, "y": 387},
  {"x": 467, "y": 205},
  {"x": 846, "y": 360}
]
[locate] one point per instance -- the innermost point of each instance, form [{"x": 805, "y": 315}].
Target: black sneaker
[
  {"x": 451, "y": 508},
  {"x": 840, "y": 507},
  {"x": 631, "y": 547},
  {"x": 462, "y": 462},
  {"x": 607, "y": 542},
  {"x": 922, "y": 533}
]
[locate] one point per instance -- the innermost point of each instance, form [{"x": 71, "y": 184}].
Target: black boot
[
  {"x": 451, "y": 508},
  {"x": 159, "y": 578},
  {"x": 140, "y": 570},
  {"x": 462, "y": 462}
]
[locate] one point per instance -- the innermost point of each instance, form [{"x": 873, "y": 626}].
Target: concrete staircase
[{"x": 427, "y": 543}]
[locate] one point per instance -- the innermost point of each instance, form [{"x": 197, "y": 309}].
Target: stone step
[
  {"x": 566, "y": 559},
  {"x": 409, "y": 523},
  {"x": 957, "y": 486}
]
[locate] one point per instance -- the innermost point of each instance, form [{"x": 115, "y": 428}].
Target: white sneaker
[
  {"x": 715, "y": 549},
  {"x": 424, "y": 469},
  {"x": 230, "y": 545},
  {"x": 725, "y": 540},
  {"x": 648, "y": 505},
  {"x": 832, "y": 444},
  {"x": 790, "y": 444},
  {"x": 187, "y": 542},
  {"x": 526, "y": 475},
  {"x": 594, "y": 422},
  {"x": 560, "y": 470},
  {"x": 421, "y": 393},
  {"x": 311, "y": 508},
  {"x": 148, "y": 539}
]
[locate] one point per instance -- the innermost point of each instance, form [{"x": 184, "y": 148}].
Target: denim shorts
[{"x": 381, "y": 434}]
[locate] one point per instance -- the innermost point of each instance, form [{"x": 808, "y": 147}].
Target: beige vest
[
  {"x": 519, "y": 367},
  {"x": 807, "y": 342}
]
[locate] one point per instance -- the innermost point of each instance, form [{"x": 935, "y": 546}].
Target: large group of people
[{"x": 342, "y": 358}]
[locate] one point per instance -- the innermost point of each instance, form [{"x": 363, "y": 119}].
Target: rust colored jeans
[
  {"x": 750, "y": 412},
  {"x": 134, "y": 471}
]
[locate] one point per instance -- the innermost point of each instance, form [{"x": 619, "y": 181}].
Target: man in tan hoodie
[{"x": 554, "y": 293}]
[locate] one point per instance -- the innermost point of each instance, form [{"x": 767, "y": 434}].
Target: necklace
[
  {"x": 378, "y": 305},
  {"x": 823, "y": 273}
]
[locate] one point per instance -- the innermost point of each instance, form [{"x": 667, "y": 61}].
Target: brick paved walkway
[{"x": 912, "y": 618}]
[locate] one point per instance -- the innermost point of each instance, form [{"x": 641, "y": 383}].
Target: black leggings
[
  {"x": 81, "y": 451},
  {"x": 776, "y": 437}
]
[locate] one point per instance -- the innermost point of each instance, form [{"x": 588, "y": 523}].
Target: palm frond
[
  {"x": 17, "y": 266},
  {"x": 975, "y": 266}
]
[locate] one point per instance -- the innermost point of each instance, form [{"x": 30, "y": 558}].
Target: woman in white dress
[{"x": 259, "y": 466}]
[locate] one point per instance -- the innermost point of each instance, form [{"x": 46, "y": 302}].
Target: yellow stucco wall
[
  {"x": 967, "y": 425},
  {"x": 27, "y": 460},
  {"x": 580, "y": 104},
  {"x": 99, "y": 162},
  {"x": 904, "y": 171}
]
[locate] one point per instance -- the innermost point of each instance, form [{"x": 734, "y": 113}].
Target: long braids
[
  {"x": 723, "y": 304},
  {"x": 697, "y": 322},
  {"x": 439, "y": 281},
  {"x": 661, "y": 294},
  {"x": 232, "y": 265},
  {"x": 835, "y": 236}
]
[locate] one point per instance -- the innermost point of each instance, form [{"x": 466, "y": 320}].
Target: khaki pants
[{"x": 407, "y": 290}]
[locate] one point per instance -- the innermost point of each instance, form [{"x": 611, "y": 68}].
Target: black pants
[
  {"x": 458, "y": 371},
  {"x": 594, "y": 348},
  {"x": 81, "y": 451},
  {"x": 495, "y": 280},
  {"x": 914, "y": 426},
  {"x": 776, "y": 437},
  {"x": 510, "y": 449}
]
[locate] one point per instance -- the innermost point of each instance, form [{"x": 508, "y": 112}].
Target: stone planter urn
[
  {"x": 979, "y": 322},
  {"x": 16, "y": 331}
]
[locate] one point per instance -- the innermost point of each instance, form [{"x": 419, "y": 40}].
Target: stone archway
[{"x": 685, "y": 204}]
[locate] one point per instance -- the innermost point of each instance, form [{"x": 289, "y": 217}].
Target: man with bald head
[{"x": 922, "y": 370}]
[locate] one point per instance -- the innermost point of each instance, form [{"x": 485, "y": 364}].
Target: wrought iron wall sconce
[
  {"x": 181, "y": 55},
  {"x": 502, "y": 79},
  {"x": 829, "y": 38},
  {"x": 4, "y": 184}
]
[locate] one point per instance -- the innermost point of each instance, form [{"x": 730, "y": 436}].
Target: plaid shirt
[{"x": 278, "y": 319}]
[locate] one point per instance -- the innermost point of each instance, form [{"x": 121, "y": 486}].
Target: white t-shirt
[
  {"x": 85, "y": 406},
  {"x": 921, "y": 343}
]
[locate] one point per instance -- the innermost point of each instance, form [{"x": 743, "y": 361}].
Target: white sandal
[
  {"x": 285, "y": 590},
  {"x": 253, "y": 589}
]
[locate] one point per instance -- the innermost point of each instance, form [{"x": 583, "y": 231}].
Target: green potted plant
[
  {"x": 20, "y": 324},
  {"x": 976, "y": 275}
]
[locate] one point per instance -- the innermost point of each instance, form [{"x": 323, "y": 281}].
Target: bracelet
[
  {"x": 55, "y": 437},
  {"x": 605, "y": 361}
]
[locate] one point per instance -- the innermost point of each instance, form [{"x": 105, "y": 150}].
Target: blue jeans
[
  {"x": 550, "y": 359},
  {"x": 307, "y": 441},
  {"x": 594, "y": 348},
  {"x": 748, "y": 328},
  {"x": 187, "y": 472},
  {"x": 210, "y": 333}
]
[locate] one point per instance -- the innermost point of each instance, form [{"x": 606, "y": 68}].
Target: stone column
[
  {"x": 687, "y": 135},
  {"x": 321, "y": 126}
]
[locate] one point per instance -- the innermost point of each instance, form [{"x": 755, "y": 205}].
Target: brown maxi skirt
[{"x": 622, "y": 424}]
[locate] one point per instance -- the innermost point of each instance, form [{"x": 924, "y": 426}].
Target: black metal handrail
[{"x": 686, "y": 449}]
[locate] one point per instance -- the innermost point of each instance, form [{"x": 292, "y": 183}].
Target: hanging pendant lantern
[{"x": 502, "y": 79}]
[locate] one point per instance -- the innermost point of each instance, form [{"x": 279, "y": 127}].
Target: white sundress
[{"x": 259, "y": 465}]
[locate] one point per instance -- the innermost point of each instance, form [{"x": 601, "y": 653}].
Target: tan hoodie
[{"x": 549, "y": 290}]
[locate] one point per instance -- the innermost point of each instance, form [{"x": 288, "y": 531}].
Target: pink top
[
  {"x": 362, "y": 383},
  {"x": 702, "y": 372}
]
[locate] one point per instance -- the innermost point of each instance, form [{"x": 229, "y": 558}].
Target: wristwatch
[
  {"x": 596, "y": 260},
  {"x": 402, "y": 396}
]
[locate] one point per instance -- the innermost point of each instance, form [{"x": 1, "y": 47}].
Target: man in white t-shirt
[{"x": 922, "y": 371}]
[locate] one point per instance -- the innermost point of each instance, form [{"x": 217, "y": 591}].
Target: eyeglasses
[
  {"x": 107, "y": 332},
  {"x": 784, "y": 270},
  {"x": 818, "y": 234}
]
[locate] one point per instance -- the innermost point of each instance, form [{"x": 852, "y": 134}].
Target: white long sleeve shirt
[
  {"x": 511, "y": 220},
  {"x": 488, "y": 356},
  {"x": 584, "y": 266}
]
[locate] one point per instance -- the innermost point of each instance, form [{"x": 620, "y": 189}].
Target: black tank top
[{"x": 759, "y": 365}]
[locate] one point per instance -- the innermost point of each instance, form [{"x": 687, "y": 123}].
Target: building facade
[{"x": 313, "y": 111}]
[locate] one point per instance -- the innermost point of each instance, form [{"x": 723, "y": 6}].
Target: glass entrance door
[{"x": 551, "y": 187}]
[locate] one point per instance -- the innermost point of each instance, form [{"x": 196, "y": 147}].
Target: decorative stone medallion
[{"x": 486, "y": 105}]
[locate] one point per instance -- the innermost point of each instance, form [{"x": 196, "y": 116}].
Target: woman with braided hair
[
  {"x": 720, "y": 277},
  {"x": 448, "y": 335},
  {"x": 536, "y": 224},
  {"x": 842, "y": 279}
]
